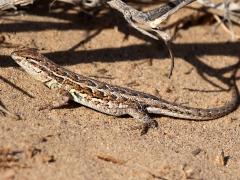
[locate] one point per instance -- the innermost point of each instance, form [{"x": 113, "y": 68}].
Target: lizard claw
[{"x": 147, "y": 125}]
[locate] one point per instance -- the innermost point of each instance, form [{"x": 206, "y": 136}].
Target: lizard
[{"x": 111, "y": 99}]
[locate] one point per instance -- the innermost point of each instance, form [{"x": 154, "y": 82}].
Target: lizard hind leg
[{"x": 141, "y": 114}]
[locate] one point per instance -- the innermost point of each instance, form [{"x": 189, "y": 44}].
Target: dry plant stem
[
  {"x": 225, "y": 27},
  {"x": 75, "y": 2},
  {"x": 228, "y": 10},
  {"x": 149, "y": 22},
  {"x": 11, "y": 4}
]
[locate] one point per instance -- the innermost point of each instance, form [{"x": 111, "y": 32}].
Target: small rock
[{"x": 196, "y": 151}]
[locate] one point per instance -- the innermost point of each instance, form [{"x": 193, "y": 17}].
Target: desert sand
[{"x": 76, "y": 142}]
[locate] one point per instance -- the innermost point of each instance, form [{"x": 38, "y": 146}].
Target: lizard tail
[{"x": 185, "y": 112}]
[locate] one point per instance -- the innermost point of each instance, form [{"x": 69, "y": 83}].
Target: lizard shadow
[
  {"x": 15, "y": 86},
  {"x": 70, "y": 105}
]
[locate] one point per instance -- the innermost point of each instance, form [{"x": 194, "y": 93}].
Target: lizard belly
[{"x": 97, "y": 104}]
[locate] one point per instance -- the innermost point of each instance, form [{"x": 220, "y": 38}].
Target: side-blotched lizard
[{"x": 110, "y": 99}]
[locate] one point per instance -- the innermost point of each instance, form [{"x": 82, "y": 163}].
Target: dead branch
[{"x": 11, "y": 4}]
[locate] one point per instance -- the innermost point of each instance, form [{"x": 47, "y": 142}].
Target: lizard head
[{"x": 32, "y": 62}]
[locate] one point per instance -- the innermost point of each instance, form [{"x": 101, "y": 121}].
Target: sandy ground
[{"x": 79, "y": 143}]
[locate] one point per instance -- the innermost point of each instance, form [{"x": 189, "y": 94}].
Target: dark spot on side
[
  {"x": 188, "y": 112},
  {"x": 199, "y": 113},
  {"x": 146, "y": 96},
  {"x": 110, "y": 97},
  {"x": 180, "y": 112},
  {"x": 186, "y": 107},
  {"x": 134, "y": 93},
  {"x": 96, "y": 102},
  {"x": 102, "y": 86},
  {"x": 123, "y": 91},
  {"x": 107, "y": 97},
  {"x": 171, "y": 4},
  {"x": 164, "y": 106},
  {"x": 65, "y": 73},
  {"x": 58, "y": 71},
  {"x": 87, "y": 90},
  {"x": 114, "y": 89},
  {"x": 76, "y": 77},
  {"x": 72, "y": 84},
  {"x": 210, "y": 112},
  {"x": 114, "y": 96},
  {"x": 59, "y": 79},
  {"x": 91, "y": 83},
  {"x": 122, "y": 99},
  {"x": 98, "y": 94},
  {"x": 83, "y": 81}
]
